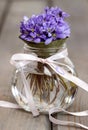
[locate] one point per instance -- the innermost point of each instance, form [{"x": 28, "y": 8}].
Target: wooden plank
[
  {"x": 78, "y": 52},
  {"x": 2, "y": 7},
  {"x": 11, "y": 119},
  {"x": 21, "y": 120},
  {"x": 80, "y": 104},
  {"x": 3, "y": 11}
]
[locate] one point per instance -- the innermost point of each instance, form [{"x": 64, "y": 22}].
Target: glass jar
[{"x": 48, "y": 88}]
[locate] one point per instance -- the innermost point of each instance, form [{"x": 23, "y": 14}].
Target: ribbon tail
[
  {"x": 64, "y": 123},
  {"x": 63, "y": 73},
  {"x": 9, "y": 105},
  {"x": 29, "y": 96}
]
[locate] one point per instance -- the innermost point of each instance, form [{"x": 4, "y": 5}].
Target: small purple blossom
[{"x": 45, "y": 27}]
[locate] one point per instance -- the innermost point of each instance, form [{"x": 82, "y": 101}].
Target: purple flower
[{"x": 45, "y": 27}]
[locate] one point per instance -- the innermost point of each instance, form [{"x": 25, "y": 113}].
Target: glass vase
[{"x": 48, "y": 88}]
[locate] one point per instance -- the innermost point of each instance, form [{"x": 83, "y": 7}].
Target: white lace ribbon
[{"x": 19, "y": 60}]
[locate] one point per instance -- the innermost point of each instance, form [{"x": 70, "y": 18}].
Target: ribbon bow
[{"x": 20, "y": 60}]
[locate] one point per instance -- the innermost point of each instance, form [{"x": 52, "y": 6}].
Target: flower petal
[
  {"x": 37, "y": 40},
  {"x": 49, "y": 40}
]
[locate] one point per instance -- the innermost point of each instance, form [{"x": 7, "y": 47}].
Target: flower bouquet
[{"x": 45, "y": 61}]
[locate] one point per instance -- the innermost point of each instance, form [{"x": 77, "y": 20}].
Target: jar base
[{"x": 63, "y": 100}]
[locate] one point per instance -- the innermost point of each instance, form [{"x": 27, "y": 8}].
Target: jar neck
[{"x": 45, "y": 51}]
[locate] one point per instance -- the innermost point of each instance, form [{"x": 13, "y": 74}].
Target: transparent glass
[{"x": 48, "y": 89}]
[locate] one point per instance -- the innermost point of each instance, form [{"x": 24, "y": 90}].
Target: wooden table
[{"x": 11, "y": 13}]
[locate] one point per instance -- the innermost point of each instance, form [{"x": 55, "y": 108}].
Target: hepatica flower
[{"x": 45, "y": 27}]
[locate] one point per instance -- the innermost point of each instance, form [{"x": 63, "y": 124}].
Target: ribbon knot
[{"x": 43, "y": 60}]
